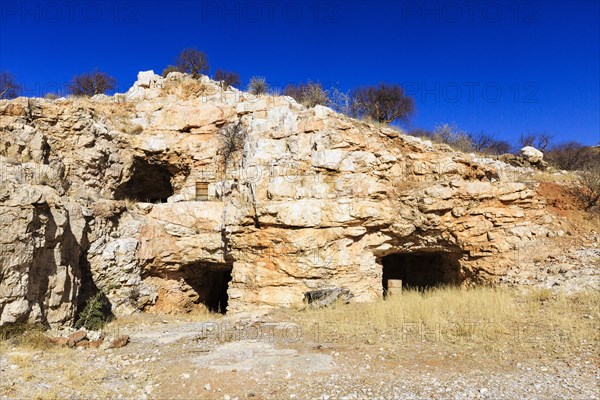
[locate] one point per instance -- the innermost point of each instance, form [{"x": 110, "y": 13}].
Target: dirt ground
[{"x": 273, "y": 356}]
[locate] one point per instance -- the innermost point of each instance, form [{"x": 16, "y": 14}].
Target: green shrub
[{"x": 92, "y": 316}]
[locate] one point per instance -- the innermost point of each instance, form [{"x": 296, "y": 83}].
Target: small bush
[
  {"x": 90, "y": 84},
  {"x": 589, "y": 193},
  {"x": 26, "y": 335},
  {"x": 135, "y": 130},
  {"x": 92, "y": 316},
  {"x": 453, "y": 136},
  {"x": 309, "y": 94},
  {"x": 169, "y": 69},
  {"x": 51, "y": 96},
  {"x": 340, "y": 101},
  {"x": 228, "y": 78},
  {"x": 258, "y": 85},
  {"x": 10, "y": 331}
]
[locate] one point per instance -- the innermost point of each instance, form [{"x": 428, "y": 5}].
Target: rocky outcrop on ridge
[{"x": 136, "y": 196}]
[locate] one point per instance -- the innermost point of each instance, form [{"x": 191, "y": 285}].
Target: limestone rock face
[
  {"x": 40, "y": 276},
  {"x": 133, "y": 195}
]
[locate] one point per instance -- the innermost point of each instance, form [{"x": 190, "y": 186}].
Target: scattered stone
[
  {"x": 75, "y": 338},
  {"x": 119, "y": 342}
]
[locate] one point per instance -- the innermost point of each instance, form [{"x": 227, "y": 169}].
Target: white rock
[{"x": 531, "y": 154}]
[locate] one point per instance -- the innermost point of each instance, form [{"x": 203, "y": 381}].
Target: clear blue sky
[{"x": 503, "y": 67}]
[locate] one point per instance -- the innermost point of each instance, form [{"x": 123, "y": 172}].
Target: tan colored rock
[
  {"x": 119, "y": 342},
  {"x": 76, "y": 337},
  {"x": 102, "y": 193}
]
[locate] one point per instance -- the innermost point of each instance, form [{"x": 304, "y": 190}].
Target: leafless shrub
[
  {"x": 539, "y": 140},
  {"x": 228, "y": 78},
  {"x": 487, "y": 143},
  {"x": 9, "y": 89},
  {"x": 308, "y": 94},
  {"x": 232, "y": 138},
  {"x": 383, "y": 103},
  {"x": 258, "y": 85},
  {"x": 193, "y": 62},
  {"x": 51, "y": 96},
  {"x": 451, "y": 135},
  {"x": 589, "y": 192},
  {"x": 572, "y": 156},
  {"x": 92, "y": 83},
  {"x": 340, "y": 101}
]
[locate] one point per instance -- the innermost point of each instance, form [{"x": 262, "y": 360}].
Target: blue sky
[{"x": 502, "y": 67}]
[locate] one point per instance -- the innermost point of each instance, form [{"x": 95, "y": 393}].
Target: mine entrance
[
  {"x": 211, "y": 283},
  {"x": 149, "y": 183},
  {"x": 420, "y": 270}
]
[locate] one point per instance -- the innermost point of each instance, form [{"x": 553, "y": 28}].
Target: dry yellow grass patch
[
  {"x": 488, "y": 318},
  {"x": 188, "y": 88},
  {"x": 26, "y": 336}
]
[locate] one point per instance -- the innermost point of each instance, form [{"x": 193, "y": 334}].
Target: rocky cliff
[{"x": 149, "y": 198}]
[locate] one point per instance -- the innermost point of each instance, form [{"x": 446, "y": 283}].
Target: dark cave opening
[
  {"x": 420, "y": 270},
  {"x": 149, "y": 183},
  {"x": 211, "y": 285}
]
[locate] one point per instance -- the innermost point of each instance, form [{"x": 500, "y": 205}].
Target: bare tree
[
  {"x": 92, "y": 83},
  {"x": 384, "y": 103},
  {"x": 232, "y": 138},
  {"x": 9, "y": 89},
  {"x": 539, "y": 140},
  {"x": 258, "y": 85},
  {"x": 483, "y": 142},
  {"x": 228, "y": 78},
  {"x": 308, "y": 94},
  {"x": 193, "y": 62}
]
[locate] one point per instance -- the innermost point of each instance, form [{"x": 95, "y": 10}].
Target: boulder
[
  {"x": 531, "y": 154},
  {"x": 119, "y": 342},
  {"x": 327, "y": 297}
]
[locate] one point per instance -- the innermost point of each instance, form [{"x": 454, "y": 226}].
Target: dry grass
[
  {"x": 68, "y": 378},
  {"x": 568, "y": 178},
  {"x": 26, "y": 336},
  {"x": 188, "y": 89},
  {"x": 488, "y": 318}
]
